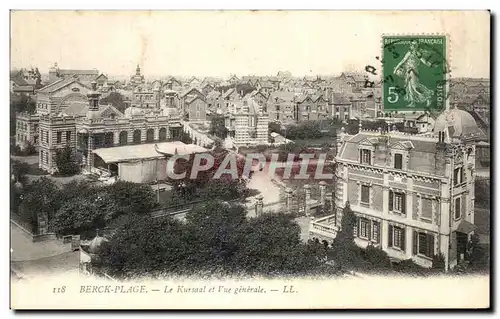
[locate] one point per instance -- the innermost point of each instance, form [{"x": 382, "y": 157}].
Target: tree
[
  {"x": 65, "y": 163},
  {"x": 29, "y": 149},
  {"x": 115, "y": 99},
  {"x": 86, "y": 207},
  {"x": 205, "y": 185},
  {"x": 19, "y": 170},
  {"x": 40, "y": 196},
  {"x": 214, "y": 230},
  {"x": 344, "y": 251},
  {"x": 376, "y": 259},
  {"x": 185, "y": 138},
  {"x": 270, "y": 245},
  {"x": 275, "y": 127},
  {"x": 81, "y": 215},
  {"x": 134, "y": 197},
  {"x": 218, "y": 126},
  {"x": 244, "y": 88},
  {"x": 143, "y": 245}
]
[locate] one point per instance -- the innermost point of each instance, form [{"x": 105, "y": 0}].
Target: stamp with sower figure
[{"x": 414, "y": 72}]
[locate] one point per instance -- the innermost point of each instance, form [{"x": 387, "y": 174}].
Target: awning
[
  {"x": 465, "y": 227},
  {"x": 131, "y": 153}
]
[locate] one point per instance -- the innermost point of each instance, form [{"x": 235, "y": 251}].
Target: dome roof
[
  {"x": 133, "y": 111},
  {"x": 95, "y": 244},
  {"x": 462, "y": 122}
]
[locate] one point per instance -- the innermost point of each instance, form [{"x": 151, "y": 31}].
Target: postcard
[{"x": 250, "y": 159}]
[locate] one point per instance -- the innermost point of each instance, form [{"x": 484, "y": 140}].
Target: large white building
[
  {"x": 247, "y": 123},
  {"x": 412, "y": 194}
]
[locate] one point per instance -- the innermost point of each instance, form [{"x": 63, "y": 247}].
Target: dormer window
[{"x": 365, "y": 156}]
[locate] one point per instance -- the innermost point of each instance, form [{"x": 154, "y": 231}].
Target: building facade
[
  {"x": 248, "y": 124},
  {"x": 85, "y": 76},
  {"x": 412, "y": 194},
  {"x": 68, "y": 113}
]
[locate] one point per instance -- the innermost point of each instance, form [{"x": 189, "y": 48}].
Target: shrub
[
  {"x": 65, "y": 162},
  {"x": 377, "y": 258},
  {"x": 409, "y": 267},
  {"x": 438, "y": 263}
]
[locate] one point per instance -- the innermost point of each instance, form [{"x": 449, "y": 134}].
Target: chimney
[{"x": 441, "y": 154}]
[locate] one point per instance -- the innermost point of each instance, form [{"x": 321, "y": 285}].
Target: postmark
[{"x": 414, "y": 71}]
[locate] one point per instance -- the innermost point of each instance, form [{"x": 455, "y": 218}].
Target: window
[
  {"x": 68, "y": 136},
  {"x": 423, "y": 244},
  {"x": 59, "y": 137},
  {"x": 365, "y": 156},
  {"x": 426, "y": 209},
  {"x": 396, "y": 237},
  {"x": 398, "y": 161},
  {"x": 364, "y": 228},
  {"x": 458, "y": 176},
  {"x": 365, "y": 194},
  {"x": 397, "y": 202},
  {"x": 458, "y": 207}
]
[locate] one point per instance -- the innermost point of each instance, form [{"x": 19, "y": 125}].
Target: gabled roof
[
  {"x": 316, "y": 97},
  {"x": 213, "y": 94},
  {"x": 355, "y": 76},
  {"x": 228, "y": 92},
  {"x": 172, "y": 79},
  {"x": 76, "y": 109},
  {"x": 340, "y": 99},
  {"x": 110, "y": 109},
  {"x": 194, "y": 98},
  {"x": 266, "y": 84},
  {"x": 78, "y": 72},
  {"x": 302, "y": 98},
  {"x": 285, "y": 96},
  {"x": 189, "y": 90},
  {"x": 59, "y": 84}
]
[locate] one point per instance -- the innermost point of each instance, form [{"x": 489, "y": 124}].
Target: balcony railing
[{"x": 324, "y": 226}]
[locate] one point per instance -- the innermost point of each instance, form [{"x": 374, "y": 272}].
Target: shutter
[
  {"x": 415, "y": 243},
  {"x": 390, "y": 235},
  {"x": 377, "y": 224},
  {"x": 391, "y": 201},
  {"x": 358, "y": 224},
  {"x": 361, "y": 156},
  {"x": 464, "y": 207},
  {"x": 403, "y": 203},
  {"x": 355, "y": 230},
  {"x": 430, "y": 245},
  {"x": 403, "y": 237}
]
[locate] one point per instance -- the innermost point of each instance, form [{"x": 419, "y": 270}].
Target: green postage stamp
[{"x": 414, "y": 72}]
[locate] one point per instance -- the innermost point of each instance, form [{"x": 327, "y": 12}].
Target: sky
[{"x": 220, "y": 43}]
